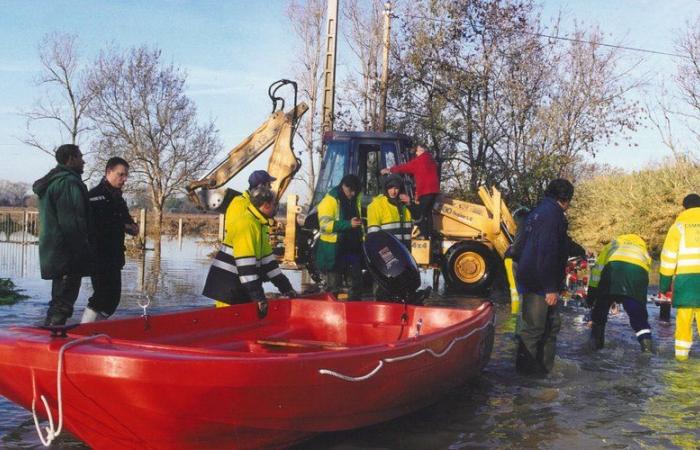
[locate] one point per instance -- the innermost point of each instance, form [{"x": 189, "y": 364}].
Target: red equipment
[{"x": 222, "y": 378}]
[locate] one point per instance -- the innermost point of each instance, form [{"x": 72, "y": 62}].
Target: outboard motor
[{"x": 391, "y": 264}]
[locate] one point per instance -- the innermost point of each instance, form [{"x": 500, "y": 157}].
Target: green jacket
[
  {"x": 331, "y": 223},
  {"x": 64, "y": 231}
]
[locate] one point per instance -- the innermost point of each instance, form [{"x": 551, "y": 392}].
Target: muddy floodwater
[{"x": 615, "y": 398}]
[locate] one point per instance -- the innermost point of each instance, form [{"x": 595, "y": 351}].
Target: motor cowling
[{"x": 391, "y": 264}]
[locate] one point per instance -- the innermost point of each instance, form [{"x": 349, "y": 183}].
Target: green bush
[{"x": 9, "y": 294}]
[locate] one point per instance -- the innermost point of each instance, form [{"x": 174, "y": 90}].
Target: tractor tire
[{"x": 469, "y": 268}]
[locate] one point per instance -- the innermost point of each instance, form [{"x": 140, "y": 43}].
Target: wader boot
[
  {"x": 90, "y": 315},
  {"x": 597, "y": 339},
  {"x": 526, "y": 363},
  {"x": 647, "y": 346}
]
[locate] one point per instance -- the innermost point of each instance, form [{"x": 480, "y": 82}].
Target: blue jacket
[{"x": 544, "y": 249}]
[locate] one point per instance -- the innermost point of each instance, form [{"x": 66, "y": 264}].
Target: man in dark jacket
[
  {"x": 539, "y": 275},
  {"x": 65, "y": 251},
  {"x": 111, "y": 220}
]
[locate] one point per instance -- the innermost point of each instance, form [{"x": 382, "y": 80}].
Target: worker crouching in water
[
  {"x": 339, "y": 249},
  {"x": 621, "y": 275},
  {"x": 239, "y": 270}
]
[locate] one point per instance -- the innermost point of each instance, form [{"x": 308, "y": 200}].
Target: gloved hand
[
  {"x": 291, "y": 293},
  {"x": 262, "y": 308}
]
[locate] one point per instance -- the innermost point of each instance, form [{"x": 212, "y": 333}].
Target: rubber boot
[
  {"x": 526, "y": 363},
  {"x": 90, "y": 315},
  {"x": 647, "y": 346},
  {"x": 597, "y": 339},
  {"x": 55, "y": 319}
]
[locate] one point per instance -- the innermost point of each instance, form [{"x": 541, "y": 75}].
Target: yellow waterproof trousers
[{"x": 684, "y": 331}]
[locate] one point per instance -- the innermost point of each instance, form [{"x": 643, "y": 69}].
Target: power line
[{"x": 563, "y": 38}]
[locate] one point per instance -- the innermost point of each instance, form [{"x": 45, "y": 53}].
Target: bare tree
[
  {"x": 13, "y": 193},
  {"x": 142, "y": 113},
  {"x": 65, "y": 98},
  {"x": 359, "y": 98},
  {"x": 308, "y": 22},
  {"x": 500, "y": 102}
]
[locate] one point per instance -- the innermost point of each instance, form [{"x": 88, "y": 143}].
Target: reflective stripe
[
  {"x": 391, "y": 226},
  {"x": 373, "y": 228},
  {"x": 98, "y": 198},
  {"x": 645, "y": 331},
  {"x": 225, "y": 266},
  {"x": 668, "y": 265},
  {"x": 407, "y": 237},
  {"x": 273, "y": 273},
  {"x": 248, "y": 278},
  {"x": 268, "y": 258},
  {"x": 683, "y": 344},
  {"x": 248, "y": 261},
  {"x": 688, "y": 262},
  {"x": 669, "y": 254},
  {"x": 226, "y": 249},
  {"x": 689, "y": 251},
  {"x": 682, "y": 352}
]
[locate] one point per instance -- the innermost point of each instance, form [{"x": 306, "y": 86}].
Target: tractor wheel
[{"x": 469, "y": 268}]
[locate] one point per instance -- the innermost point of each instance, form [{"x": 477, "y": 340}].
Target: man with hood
[
  {"x": 65, "y": 250},
  {"x": 339, "y": 249},
  {"x": 388, "y": 211},
  {"x": 111, "y": 220}
]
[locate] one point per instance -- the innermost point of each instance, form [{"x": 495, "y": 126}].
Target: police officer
[
  {"x": 111, "y": 220},
  {"x": 238, "y": 271}
]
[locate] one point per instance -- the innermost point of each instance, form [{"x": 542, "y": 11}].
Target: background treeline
[{"x": 645, "y": 202}]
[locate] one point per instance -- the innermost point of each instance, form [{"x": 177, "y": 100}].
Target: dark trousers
[
  {"x": 107, "y": 285},
  {"x": 636, "y": 311},
  {"x": 347, "y": 268},
  {"x": 424, "y": 213},
  {"x": 538, "y": 334},
  {"x": 64, "y": 293}
]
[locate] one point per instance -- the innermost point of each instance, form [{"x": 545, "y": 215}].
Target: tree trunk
[{"x": 157, "y": 225}]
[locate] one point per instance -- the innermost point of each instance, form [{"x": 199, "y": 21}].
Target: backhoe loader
[{"x": 471, "y": 238}]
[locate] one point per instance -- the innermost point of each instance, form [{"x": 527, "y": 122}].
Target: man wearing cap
[
  {"x": 234, "y": 211},
  {"x": 680, "y": 268},
  {"x": 388, "y": 211},
  {"x": 338, "y": 252}
]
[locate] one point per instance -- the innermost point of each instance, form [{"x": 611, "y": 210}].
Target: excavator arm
[{"x": 277, "y": 130}]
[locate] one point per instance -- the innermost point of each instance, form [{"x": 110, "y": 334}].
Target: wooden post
[
  {"x": 179, "y": 232},
  {"x": 221, "y": 227},
  {"x": 142, "y": 228},
  {"x": 25, "y": 227}
]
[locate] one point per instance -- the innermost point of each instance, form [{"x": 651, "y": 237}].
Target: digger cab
[{"x": 363, "y": 154}]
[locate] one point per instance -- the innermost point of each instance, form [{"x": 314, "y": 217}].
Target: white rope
[
  {"x": 51, "y": 432},
  {"x": 374, "y": 371}
]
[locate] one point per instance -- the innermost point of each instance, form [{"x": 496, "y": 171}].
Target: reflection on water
[{"x": 614, "y": 398}]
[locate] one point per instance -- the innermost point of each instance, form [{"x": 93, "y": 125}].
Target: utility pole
[
  {"x": 385, "y": 67},
  {"x": 329, "y": 72}
]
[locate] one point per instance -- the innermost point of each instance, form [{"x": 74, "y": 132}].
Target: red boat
[{"x": 223, "y": 378}]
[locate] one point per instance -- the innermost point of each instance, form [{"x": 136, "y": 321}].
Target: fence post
[
  {"x": 221, "y": 227},
  {"x": 142, "y": 228},
  {"x": 25, "y": 227},
  {"x": 179, "y": 232}
]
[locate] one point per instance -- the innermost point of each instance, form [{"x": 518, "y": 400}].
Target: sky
[{"x": 232, "y": 51}]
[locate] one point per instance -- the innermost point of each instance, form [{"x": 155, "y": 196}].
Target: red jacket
[{"x": 424, "y": 170}]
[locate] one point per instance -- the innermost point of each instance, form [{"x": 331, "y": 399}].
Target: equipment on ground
[{"x": 223, "y": 378}]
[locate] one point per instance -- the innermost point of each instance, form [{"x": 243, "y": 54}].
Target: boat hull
[{"x": 215, "y": 378}]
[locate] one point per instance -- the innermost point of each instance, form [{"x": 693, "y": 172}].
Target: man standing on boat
[
  {"x": 250, "y": 260},
  {"x": 540, "y": 276},
  {"x": 338, "y": 252},
  {"x": 680, "y": 268},
  {"x": 65, "y": 249},
  {"x": 111, "y": 221},
  {"x": 621, "y": 275}
]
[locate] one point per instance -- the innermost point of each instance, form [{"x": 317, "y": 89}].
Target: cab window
[{"x": 333, "y": 168}]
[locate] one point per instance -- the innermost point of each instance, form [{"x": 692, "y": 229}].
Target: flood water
[{"x": 614, "y": 398}]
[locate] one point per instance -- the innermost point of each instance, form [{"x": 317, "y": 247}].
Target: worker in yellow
[
  {"x": 240, "y": 203},
  {"x": 388, "y": 211},
  {"x": 338, "y": 252},
  {"x": 680, "y": 266},
  {"x": 621, "y": 275},
  {"x": 239, "y": 269}
]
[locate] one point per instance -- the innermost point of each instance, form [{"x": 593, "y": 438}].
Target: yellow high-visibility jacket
[
  {"x": 680, "y": 260},
  {"x": 330, "y": 225},
  {"x": 396, "y": 220},
  {"x": 622, "y": 268},
  {"x": 234, "y": 212}
]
